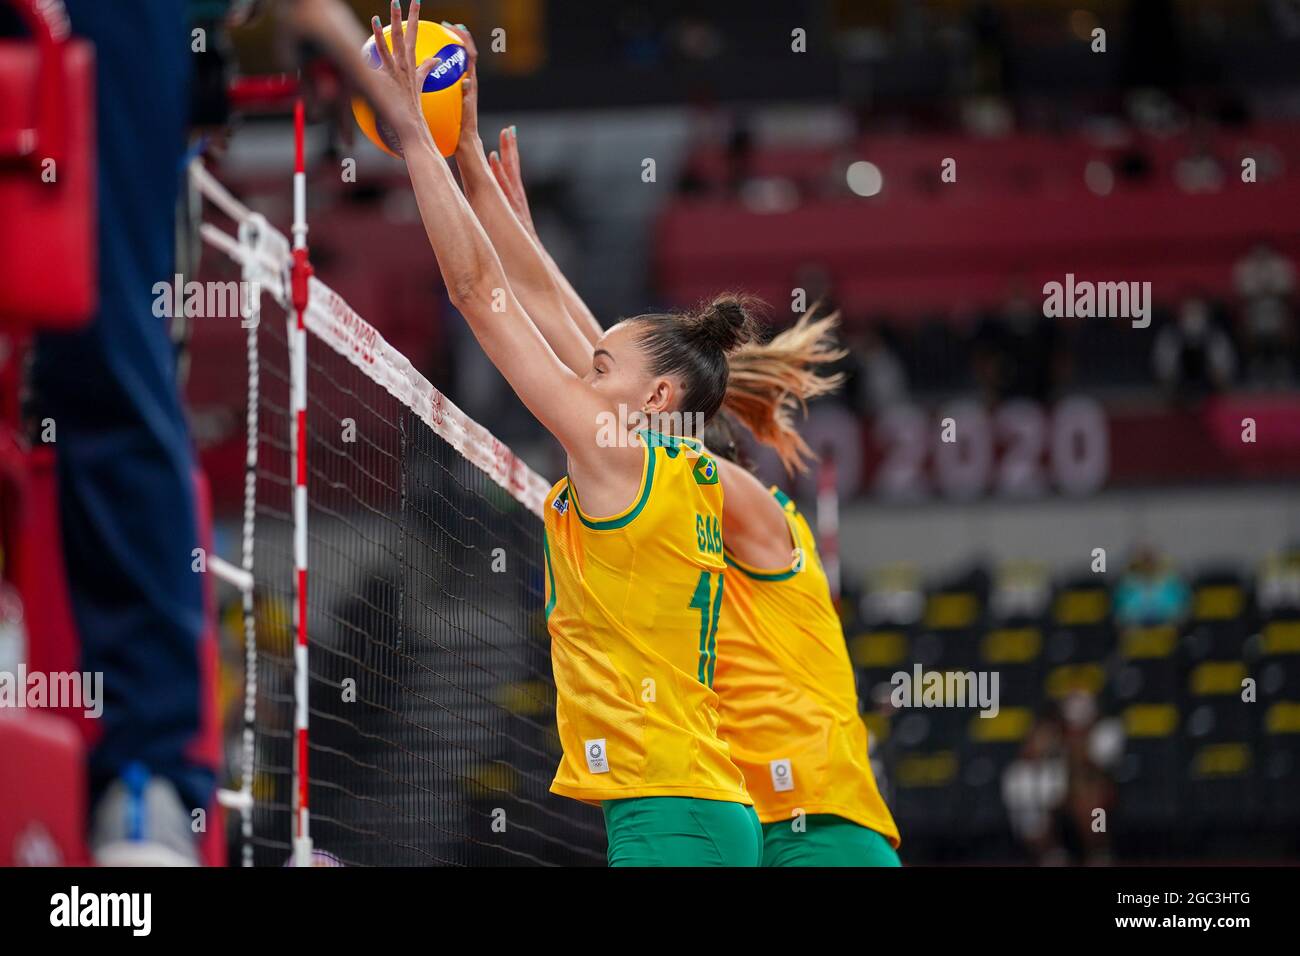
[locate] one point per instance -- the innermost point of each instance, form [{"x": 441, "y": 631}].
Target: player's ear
[{"x": 662, "y": 393}]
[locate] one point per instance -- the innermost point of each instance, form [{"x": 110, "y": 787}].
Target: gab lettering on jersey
[{"x": 708, "y": 534}]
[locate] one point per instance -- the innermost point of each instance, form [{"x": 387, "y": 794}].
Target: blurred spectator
[
  {"x": 1193, "y": 356},
  {"x": 988, "y": 76},
  {"x": 877, "y": 376},
  {"x": 1264, "y": 281},
  {"x": 735, "y": 177},
  {"x": 1021, "y": 590},
  {"x": 739, "y": 156},
  {"x": 1033, "y": 789},
  {"x": 758, "y": 193},
  {"x": 1056, "y": 789},
  {"x": 1263, "y": 272},
  {"x": 1017, "y": 354},
  {"x": 893, "y": 596},
  {"x": 1150, "y": 592},
  {"x": 992, "y": 49},
  {"x": 1152, "y": 111},
  {"x": 1277, "y": 590},
  {"x": 1199, "y": 171},
  {"x": 1092, "y": 747},
  {"x": 882, "y": 752}
]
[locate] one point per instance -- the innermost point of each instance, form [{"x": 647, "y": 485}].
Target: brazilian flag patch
[{"x": 705, "y": 471}]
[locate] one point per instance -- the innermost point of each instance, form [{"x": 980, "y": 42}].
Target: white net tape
[{"x": 266, "y": 253}]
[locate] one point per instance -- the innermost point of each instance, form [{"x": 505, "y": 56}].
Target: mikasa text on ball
[{"x": 440, "y": 98}]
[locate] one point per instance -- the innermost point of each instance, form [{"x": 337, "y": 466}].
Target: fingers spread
[
  {"x": 381, "y": 45},
  {"x": 499, "y": 174},
  {"x": 397, "y": 34},
  {"x": 510, "y": 153},
  {"x": 466, "y": 37},
  {"x": 413, "y": 26}
]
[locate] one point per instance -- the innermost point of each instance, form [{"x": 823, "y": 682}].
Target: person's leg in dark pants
[{"x": 123, "y": 447}]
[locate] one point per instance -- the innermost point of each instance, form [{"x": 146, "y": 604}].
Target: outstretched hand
[
  {"x": 468, "y": 88},
  {"x": 505, "y": 166},
  {"x": 404, "y": 78}
]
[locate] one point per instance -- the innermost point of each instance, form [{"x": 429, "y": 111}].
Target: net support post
[
  {"x": 300, "y": 283},
  {"x": 828, "y": 522}
]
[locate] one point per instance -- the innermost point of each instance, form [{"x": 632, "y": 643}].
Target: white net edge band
[
  {"x": 338, "y": 325},
  {"x": 334, "y": 322}
]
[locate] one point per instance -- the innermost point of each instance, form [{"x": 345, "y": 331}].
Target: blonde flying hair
[{"x": 769, "y": 382}]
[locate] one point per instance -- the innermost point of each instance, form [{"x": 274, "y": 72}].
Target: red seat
[{"x": 43, "y": 779}]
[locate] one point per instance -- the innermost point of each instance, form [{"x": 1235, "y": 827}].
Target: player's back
[{"x": 788, "y": 699}]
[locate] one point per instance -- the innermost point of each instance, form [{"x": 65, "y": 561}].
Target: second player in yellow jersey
[{"x": 789, "y": 703}]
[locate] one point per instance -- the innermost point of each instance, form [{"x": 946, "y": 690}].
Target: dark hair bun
[{"x": 725, "y": 323}]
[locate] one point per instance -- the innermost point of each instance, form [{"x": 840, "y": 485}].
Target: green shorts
[
  {"x": 682, "y": 831},
  {"x": 825, "y": 840}
]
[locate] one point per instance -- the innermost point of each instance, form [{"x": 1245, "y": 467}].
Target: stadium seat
[
  {"x": 43, "y": 779},
  {"x": 1278, "y": 664},
  {"x": 925, "y": 768},
  {"x": 877, "y": 655},
  {"x": 1219, "y": 730},
  {"x": 1016, "y": 654},
  {"x": 992, "y": 743},
  {"x": 1149, "y": 777},
  {"x": 1083, "y": 644},
  {"x": 1279, "y": 763},
  {"x": 954, "y": 618},
  {"x": 1150, "y": 663}
]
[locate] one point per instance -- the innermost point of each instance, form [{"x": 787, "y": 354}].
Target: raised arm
[
  {"x": 475, "y": 279},
  {"x": 505, "y": 167},
  {"x": 753, "y": 524},
  {"x": 530, "y": 279}
]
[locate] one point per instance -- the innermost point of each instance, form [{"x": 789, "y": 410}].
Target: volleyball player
[
  {"x": 788, "y": 700},
  {"x": 633, "y": 539},
  {"x": 781, "y": 650}
]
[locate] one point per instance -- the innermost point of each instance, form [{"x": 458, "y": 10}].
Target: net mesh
[{"x": 432, "y": 709}]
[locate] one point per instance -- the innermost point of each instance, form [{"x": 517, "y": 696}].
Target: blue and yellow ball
[{"x": 440, "y": 98}]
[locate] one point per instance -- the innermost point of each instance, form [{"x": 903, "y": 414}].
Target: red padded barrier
[
  {"x": 909, "y": 256},
  {"x": 43, "y": 782}
]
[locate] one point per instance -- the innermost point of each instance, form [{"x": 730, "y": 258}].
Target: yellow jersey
[
  {"x": 789, "y": 702},
  {"x": 632, "y": 604}
]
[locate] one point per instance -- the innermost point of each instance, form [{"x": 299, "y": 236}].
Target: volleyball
[{"x": 440, "y": 98}]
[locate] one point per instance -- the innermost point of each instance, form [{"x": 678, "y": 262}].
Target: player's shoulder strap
[{"x": 704, "y": 468}]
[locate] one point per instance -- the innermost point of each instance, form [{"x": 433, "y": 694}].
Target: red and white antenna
[
  {"x": 299, "y": 282},
  {"x": 828, "y": 522}
]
